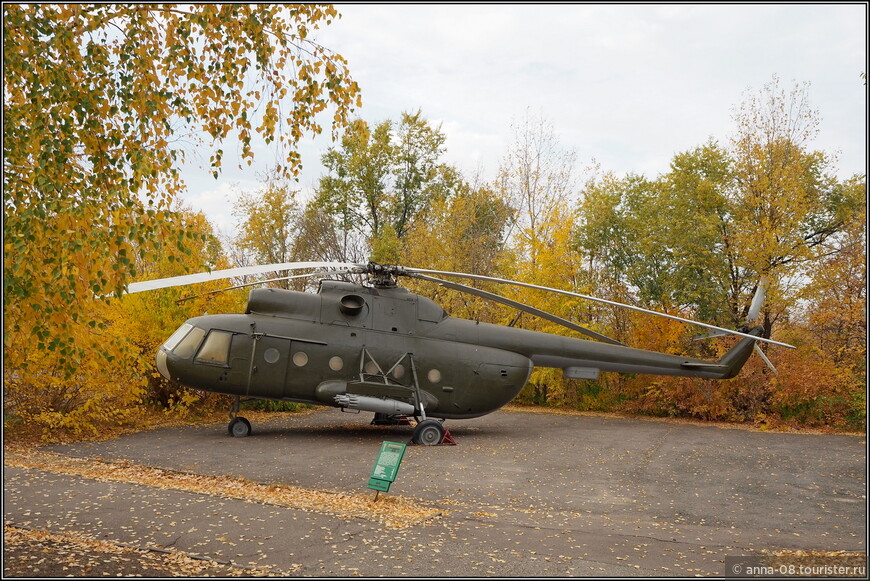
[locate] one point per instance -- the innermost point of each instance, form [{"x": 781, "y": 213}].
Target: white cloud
[
  {"x": 628, "y": 85},
  {"x": 215, "y": 198}
]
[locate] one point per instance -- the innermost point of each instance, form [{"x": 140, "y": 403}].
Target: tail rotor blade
[
  {"x": 757, "y": 301},
  {"x": 764, "y": 357}
]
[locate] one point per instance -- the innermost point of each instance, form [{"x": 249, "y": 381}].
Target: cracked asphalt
[{"x": 524, "y": 494}]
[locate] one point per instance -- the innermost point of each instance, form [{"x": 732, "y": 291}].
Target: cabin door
[{"x": 268, "y": 372}]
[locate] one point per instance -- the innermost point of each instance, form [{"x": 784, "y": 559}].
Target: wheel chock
[{"x": 448, "y": 438}]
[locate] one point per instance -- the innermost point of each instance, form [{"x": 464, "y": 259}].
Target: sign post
[{"x": 386, "y": 466}]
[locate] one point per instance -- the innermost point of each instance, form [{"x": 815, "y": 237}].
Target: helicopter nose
[{"x": 161, "y": 363}]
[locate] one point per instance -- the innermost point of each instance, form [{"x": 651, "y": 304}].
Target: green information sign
[{"x": 386, "y": 466}]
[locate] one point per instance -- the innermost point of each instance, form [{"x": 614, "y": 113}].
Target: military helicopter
[{"x": 379, "y": 348}]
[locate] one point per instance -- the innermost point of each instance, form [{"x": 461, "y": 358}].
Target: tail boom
[{"x": 586, "y": 358}]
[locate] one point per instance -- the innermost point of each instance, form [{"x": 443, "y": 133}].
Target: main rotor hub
[{"x": 384, "y": 275}]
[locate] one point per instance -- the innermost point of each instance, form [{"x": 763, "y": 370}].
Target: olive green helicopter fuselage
[{"x": 392, "y": 352}]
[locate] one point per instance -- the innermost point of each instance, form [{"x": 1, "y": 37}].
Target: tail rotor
[
  {"x": 751, "y": 317},
  {"x": 755, "y": 311}
]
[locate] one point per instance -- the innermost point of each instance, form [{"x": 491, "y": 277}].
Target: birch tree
[{"x": 99, "y": 103}]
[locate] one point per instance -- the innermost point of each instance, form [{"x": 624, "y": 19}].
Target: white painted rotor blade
[
  {"x": 523, "y": 307},
  {"x": 247, "y": 284},
  {"x": 757, "y": 300},
  {"x": 596, "y": 299},
  {"x": 709, "y": 335},
  {"x": 186, "y": 279},
  {"x": 764, "y": 357}
]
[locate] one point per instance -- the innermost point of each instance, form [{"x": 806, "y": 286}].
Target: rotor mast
[{"x": 382, "y": 275}]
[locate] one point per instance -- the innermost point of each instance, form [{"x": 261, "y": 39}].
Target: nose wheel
[{"x": 238, "y": 427}]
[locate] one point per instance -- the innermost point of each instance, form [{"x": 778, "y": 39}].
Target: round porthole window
[
  {"x": 399, "y": 371},
  {"x": 371, "y": 368},
  {"x": 336, "y": 363},
  {"x": 271, "y": 355},
  {"x": 300, "y": 358},
  {"x": 434, "y": 376}
]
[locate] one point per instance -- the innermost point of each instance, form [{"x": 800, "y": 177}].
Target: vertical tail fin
[{"x": 737, "y": 356}]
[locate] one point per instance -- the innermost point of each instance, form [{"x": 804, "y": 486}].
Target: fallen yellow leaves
[
  {"x": 817, "y": 563},
  {"x": 391, "y": 511},
  {"x": 79, "y": 553},
  {"x": 811, "y": 553}
]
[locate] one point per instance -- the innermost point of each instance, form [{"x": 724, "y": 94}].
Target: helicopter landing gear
[
  {"x": 428, "y": 433},
  {"x": 238, "y": 427}
]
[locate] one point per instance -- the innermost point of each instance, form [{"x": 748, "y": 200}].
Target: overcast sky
[{"x": 625, "y": 85}]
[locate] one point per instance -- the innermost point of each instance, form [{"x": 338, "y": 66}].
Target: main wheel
[
  {"x": 239, "y": 427},
  {"x": 428, "y": 433}
]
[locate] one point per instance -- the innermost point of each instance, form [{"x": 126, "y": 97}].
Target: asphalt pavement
[{"x": 523, "y": 494}]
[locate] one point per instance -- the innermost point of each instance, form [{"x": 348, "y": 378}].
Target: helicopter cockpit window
[
  {"x": 188, "y": 345},
  {"x": 177, "y": 336},
  {"x": 216, "y": 349}
]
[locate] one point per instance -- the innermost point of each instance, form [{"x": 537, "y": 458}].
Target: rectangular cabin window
[
  {"x": 188, "y": 345},
  {"x": 216, "y": 349}
]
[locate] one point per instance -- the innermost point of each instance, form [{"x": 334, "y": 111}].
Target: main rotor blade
[
  {"x": 523, "y": 307},
  {"x": 214, "y": 292},
  {"x": 186, "y": 279},
  {"x": 596, "y": 299},
  {"x": 709, "y": 335}
]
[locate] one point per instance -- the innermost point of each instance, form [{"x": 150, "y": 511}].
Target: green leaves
[{"x": 383, "y": 177}]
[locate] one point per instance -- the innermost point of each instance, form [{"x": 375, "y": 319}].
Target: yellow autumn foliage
[
  {"x": 113, "y": 388},
  {"x": 100, "y": 102},
  {"x": 104, "y": 390}
]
